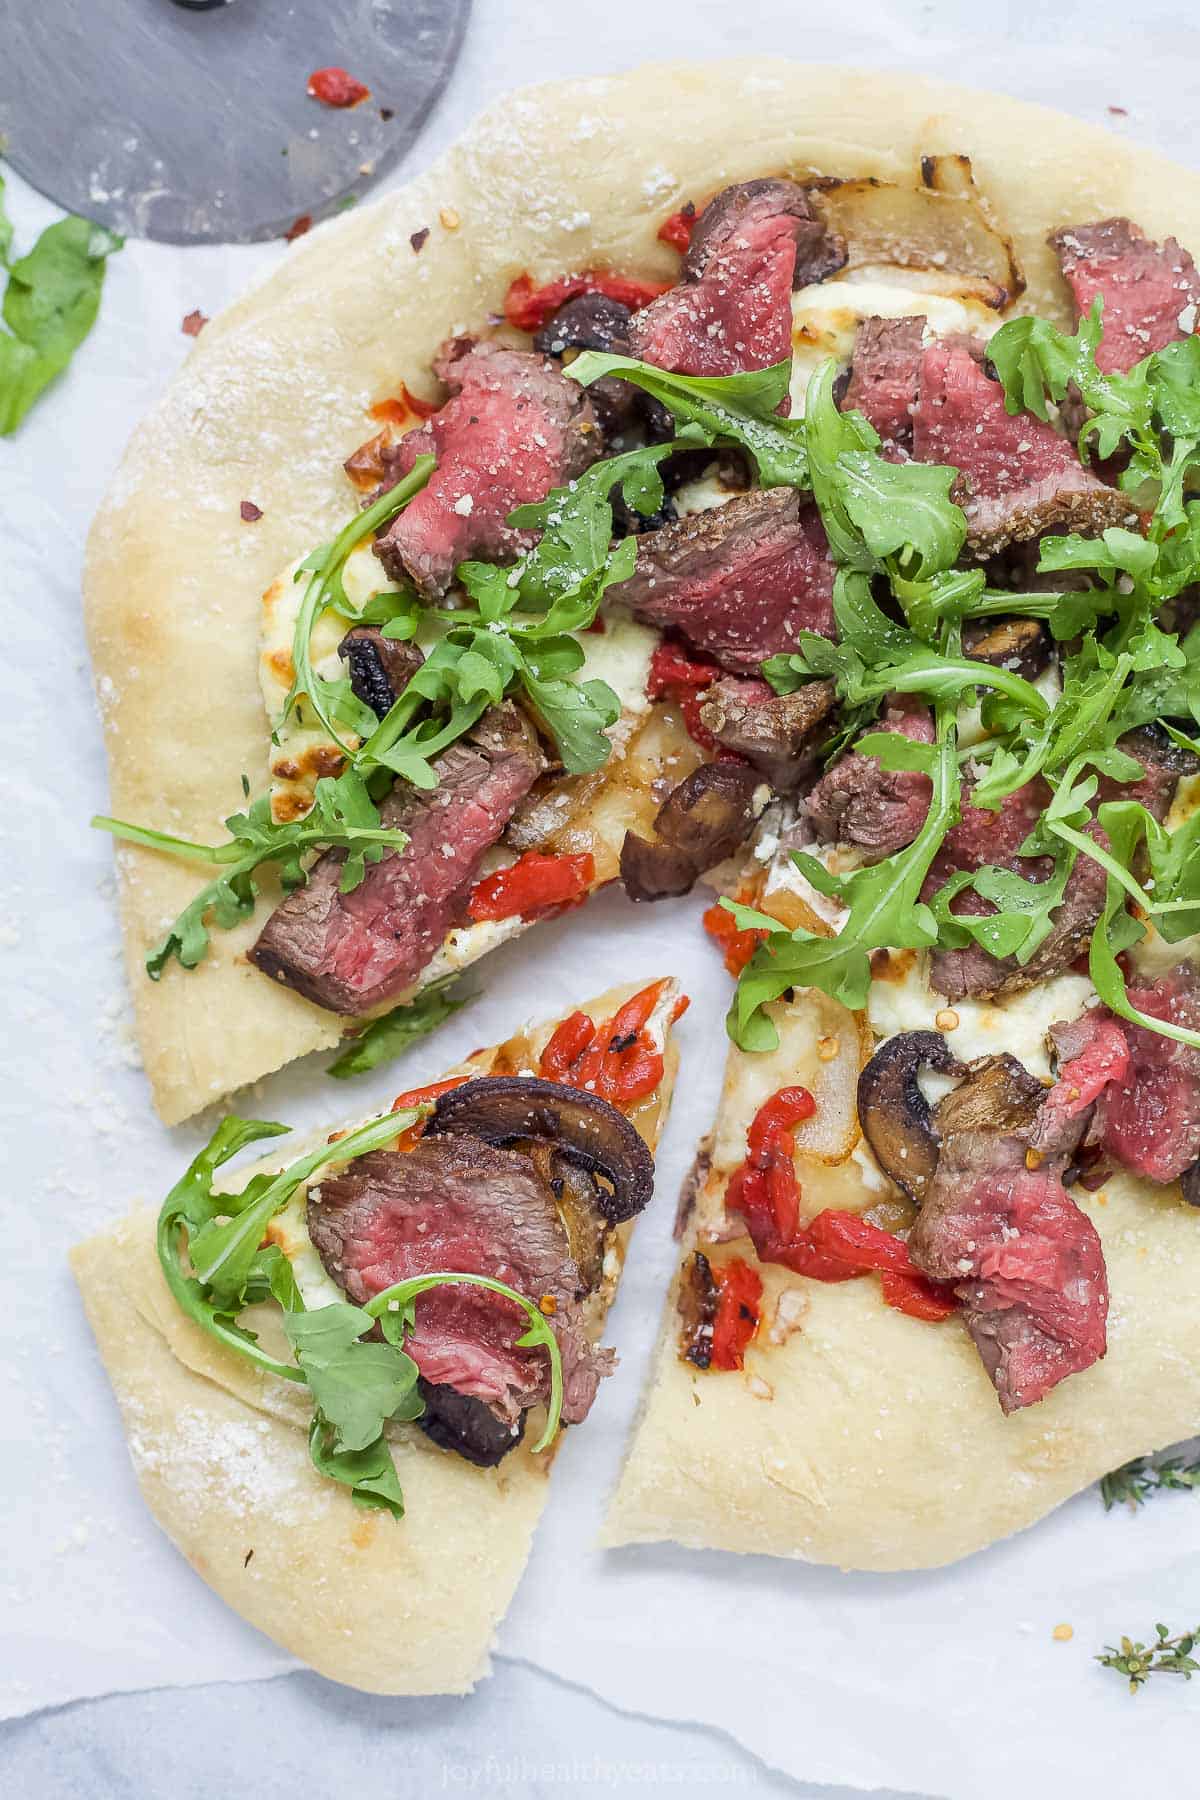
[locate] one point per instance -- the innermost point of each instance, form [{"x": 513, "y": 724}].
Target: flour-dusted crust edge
[{"x": 275, "y": 394}]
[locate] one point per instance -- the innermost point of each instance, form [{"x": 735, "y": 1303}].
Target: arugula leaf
[
  {"x": 885, "y": 907},
  {"x": 6, "y": 229},
  {"x": 190, "y": 1207},
  {"x": 343, "y": 817},
  {"x": 389, "y": 1036},
  {"x": 718, "y": 409},
  {"x": 370, "y": 1473},
  {"x": 50, "y": 305},
  {"x": 223, "y": 1250},
  {"x": 516, "y": 632},
  {"x": 356, "y": 1386},
  {"x": 332, "y": 701},
  {"x": 393, "y": 1307}
]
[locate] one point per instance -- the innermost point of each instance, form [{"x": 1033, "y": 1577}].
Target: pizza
[
  {"x": 345, "y": 1372},
  {"x": 783, "y": 484}
]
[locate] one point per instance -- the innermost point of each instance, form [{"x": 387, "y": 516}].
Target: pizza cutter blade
[{"x": 189, "y": 120}]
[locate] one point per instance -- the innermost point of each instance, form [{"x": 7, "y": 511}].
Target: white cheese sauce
[{"x": 1017, "y": 1023}]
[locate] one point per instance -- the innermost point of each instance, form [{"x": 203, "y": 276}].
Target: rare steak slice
[
  {"x": 352, "y": 952},
  {"x": 1020, "y": 476},
  {"x": 1026, "y": 1262},
  {"x": 860, "y": 802},
  {"x": 1150, "y": 291},
  {"x": 514, "y": 427},
  {"x": 456, "y": 1203},
  {"x": 732, "y": 310},
  {"x": 884, "y": 375},
  {"x": 739, "y": 581},
  {"x": 1145, "y": 1087}
]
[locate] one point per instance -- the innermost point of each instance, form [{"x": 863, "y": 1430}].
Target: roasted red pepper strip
[
  {"x": 673, "y": 668},
  {"x": 527, "y": 308},
  {"x": 401, "y": 408},
  {"x": 419, "y": 1097},
  {"x": 677, "y": 229},
  {"x": 535, "y": 883},
  {"x": 335, "y": 87},
  {"x": 739, "y": 1297},
  {"x": 566, "y": 1046},
  {"x": 736, "y": 946},
  {"x": 865, "y": 1247}
]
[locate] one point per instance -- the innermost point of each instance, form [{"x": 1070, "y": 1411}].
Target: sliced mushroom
[
  {"x": 380, "y": 668},
  {"x": 896, "y": 1119},
  {"x": 700, "y": 823},
  {"x": 775, "y": 732},
  {"x": 503, "y": 1109},
  {"x": 1020, "y": 644},
  {"x": 1189, "y": 1184},
  {"x": 577, "y": 1196},
  {"x": 594, "y": 322},
  {"x": 997, "y": 1094},
  {"x": 466, "y": 1425}
]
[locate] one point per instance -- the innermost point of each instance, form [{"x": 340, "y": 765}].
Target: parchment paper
[{"x": 948, "y": 1683}]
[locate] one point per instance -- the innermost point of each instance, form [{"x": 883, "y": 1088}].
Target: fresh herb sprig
[
  {"x": 216, "y": 1263},
  {"x": 1134, "y": 1482},
  {"x": 50, "y": 305},
  {"x": 391, "y": 1035},
  {"x": 1167, "y": 1655},
  {"x": 343, "y": 817}
]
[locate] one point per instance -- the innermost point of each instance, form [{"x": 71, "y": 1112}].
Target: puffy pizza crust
[
  {"x": 860, "y": 1437},
  {"x": 221, "y": 1454},
  {"x": 276, "y": 391}
]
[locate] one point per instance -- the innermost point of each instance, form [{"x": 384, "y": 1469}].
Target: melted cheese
[
  {"x": 1018, "y": 1023},
  {"x": 826, "y": 315}
]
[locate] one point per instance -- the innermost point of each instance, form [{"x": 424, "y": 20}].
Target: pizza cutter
[{"x": 190, "y": 120}]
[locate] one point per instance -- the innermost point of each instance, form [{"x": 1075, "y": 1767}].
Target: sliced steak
[
  {"x": 1021, "y": 477},
  {"x": 352, "y": 952},
  {"x": 380, "y": 668},
  {"x": 732, "y": 310},
  {"x": 1147, "y": 1100},
  {"x": 777, "y": 733},
  {"x": 1150, "y": 291},
  {"x": 982, "y": 837},
  {"x": 884, "y": 376},
  {"x": 457, "y": 1203},
  {"x": 740, "y": 581},
  {"x": 1027, "y": 1264},
  {"x": 860, "y": 802},
  {"x": 514, "y": 427}
]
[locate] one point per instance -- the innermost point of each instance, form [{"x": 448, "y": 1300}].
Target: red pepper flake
[
  {"x": 1118, "y": 112},
  {"x": 387, "y": 113},
  {"x": 335, "y": 87},
  {"x": 193, "y": 323},
  {"x": 402, "y": 407},
  {"x": 418, "y": 240},
  {"x": 298, "y": 227},
  {"x": 677, "y": 230},
  {"x": 250, "y": 513},
  {"x": 736, "y": 946},
  {"x": 739, "y": 1298},
  {"x": 527, "y": 308},
  {"x": 534, "y": 884}
]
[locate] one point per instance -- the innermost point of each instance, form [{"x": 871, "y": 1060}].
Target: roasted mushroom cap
[
  {"x": 462, "y": 1423},
  {"x": 577, "y": 1197},
  {"x": 1189, "y": 1184},
  {"x": 701, "y": 822},
  {"x": 503, "y": 1109},
  {"x": 895, "y": 1116},
  {"x": 997, "y": 1094},
  {"x": 380, "y": 668}
]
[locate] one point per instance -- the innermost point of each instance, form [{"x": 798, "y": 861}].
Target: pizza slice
[{"x": 344, "y": 1372}]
